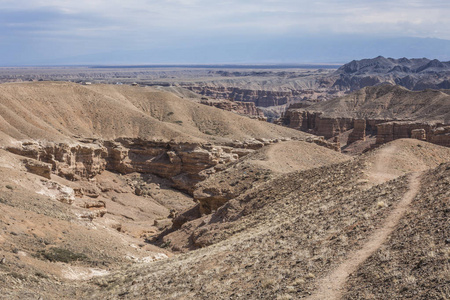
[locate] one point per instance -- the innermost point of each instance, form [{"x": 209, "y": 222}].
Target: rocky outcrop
[
  {"x": 390, "y": 131},
  {"x": 440, "y": 136},
  {"x": 320, "y": 140},
  {"x": 315, "y": 123},
  {"x": 242, "y": 108},
  {"x": 38, "y": 168},
  {"x": 419, "y": 134},
  {"x": 359, "y": 131},
  {"x": 259, "y": 97},
  {"x": 69, "y": 161},
  {"x": 180, "y": 162},
  {"x": 185, "y": 164},
  {"x": 56, "y": 191},
  {"x": 434, "y": 133}
]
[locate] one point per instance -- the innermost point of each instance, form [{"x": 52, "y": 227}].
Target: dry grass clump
[{"x": 381, "y": 204}]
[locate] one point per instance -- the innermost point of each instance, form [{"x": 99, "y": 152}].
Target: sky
[{"x": 46, "y": 32}]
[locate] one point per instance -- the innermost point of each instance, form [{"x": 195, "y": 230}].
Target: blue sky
[{"x": 222, "y": 31}]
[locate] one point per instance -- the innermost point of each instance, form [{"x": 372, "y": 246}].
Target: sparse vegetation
[
  {"x": 62, "y": 255},
  {"x": 41, "y": 275}
]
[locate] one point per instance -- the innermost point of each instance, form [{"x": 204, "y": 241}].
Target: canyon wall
[
  {"x": 359, "y": 131},
  {"x": 315, "y": 123},
  {"x": 184, "y": 164},
  {"x": 434, "y": 133},
  {"x": 242, "y": 108},
  {"x": 385, "y": 130},
  {"x": 262, "y": 98}
]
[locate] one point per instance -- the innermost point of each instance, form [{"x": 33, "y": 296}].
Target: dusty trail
[
  {"x": 330, "y": 287},
  {"x": 382, "y": 170}
]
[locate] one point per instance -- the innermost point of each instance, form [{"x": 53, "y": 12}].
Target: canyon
[
  {"x": 120, "y": 191},
  {"x": 386, "y": 112}
]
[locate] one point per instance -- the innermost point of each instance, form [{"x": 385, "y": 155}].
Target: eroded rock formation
[
  {"x": 434, "y": 133},
  {"x": 69, "y": 161},
  {"x": 184, "y": 163},
  {"x": 314, "y": 122},
  {"x": 242, "y": 108},
  {"x": 387, "y": 112},
  {"x": 262, "y": 98},
  {"x": 359, "y": 131},
  {"x": 385, "y": 130}
]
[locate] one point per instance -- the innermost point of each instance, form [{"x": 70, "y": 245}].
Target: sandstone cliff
[
  {"x": 262, "y": 98},
  {"x": 388, "y": 112},
  {"x": 242, "y": 108},
  {"x": 438, "y": 134},
  {"x": 180, "y": 162}
]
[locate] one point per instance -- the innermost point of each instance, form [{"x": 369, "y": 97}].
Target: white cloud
[
  {"x": 97, "y": 26},
  {"x": 419, "y": 18}
]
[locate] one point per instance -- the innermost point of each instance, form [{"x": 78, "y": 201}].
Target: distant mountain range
[
  {"x": 382, "y": 65},
  {"x": 414, "y": 74}
]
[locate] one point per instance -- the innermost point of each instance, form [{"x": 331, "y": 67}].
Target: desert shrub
[
  {"x": 41, "y": 275},
  {"x": 18, "y": 275},
  {"x": 166, "y": 244},
  {"x": 62, "y": 255}
]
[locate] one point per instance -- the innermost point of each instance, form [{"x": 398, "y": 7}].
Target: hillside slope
[
  {"x": 58, "y": 111},
  {"x": 388, "y": 102},
  {"x": 283, "y": 238},
  {"x": 414, "y": 261}
]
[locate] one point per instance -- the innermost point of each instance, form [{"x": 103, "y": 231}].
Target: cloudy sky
[{"x": 221, "y": 31}]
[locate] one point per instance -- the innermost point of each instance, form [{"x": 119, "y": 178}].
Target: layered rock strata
[
  {"x": 183, "y": 163},
  {"x": 328, "y": 127},
  {"x": 259, "y": 97},
  {"x": 419, "y": 134},
  {"x": 434, "y": 133},
  {"x": 359, "y": 131},
  {"x": 242, "y": 108},
  {"x": 70, "y": 161},
  {"x": 385, "y": 130}
]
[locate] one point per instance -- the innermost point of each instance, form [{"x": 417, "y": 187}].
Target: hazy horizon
[{"x": 58, "y": 32}]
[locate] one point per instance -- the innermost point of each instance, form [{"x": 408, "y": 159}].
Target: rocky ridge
[{"x": 414, "y": 74}]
